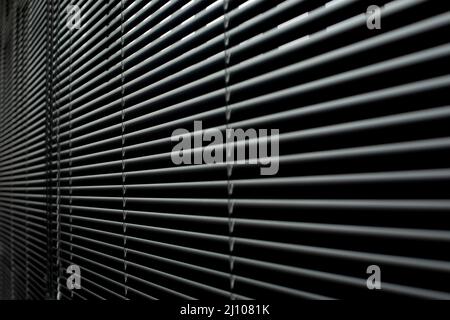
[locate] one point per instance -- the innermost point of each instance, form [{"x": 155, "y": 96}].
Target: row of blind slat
[{"x": 86, "y": 175}]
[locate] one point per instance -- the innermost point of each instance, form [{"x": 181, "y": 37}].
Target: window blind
[
  {"x": 24, "y": 218},
  {"x": 87, "y": 175}
]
